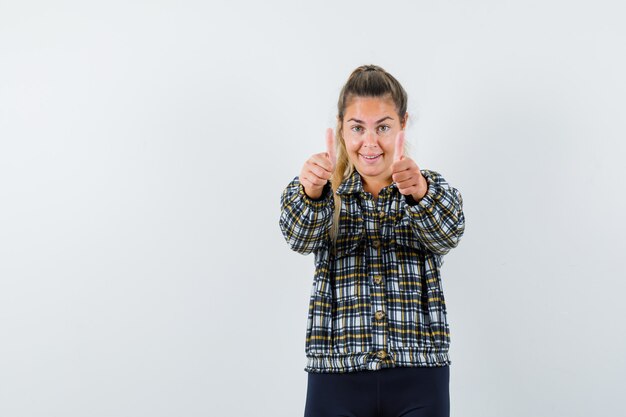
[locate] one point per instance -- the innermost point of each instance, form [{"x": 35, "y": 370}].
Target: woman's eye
[
  {"x": 384, "y": 128},
  {"x": 356, "y": 128}
]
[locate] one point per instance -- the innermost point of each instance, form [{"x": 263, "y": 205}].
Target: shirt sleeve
[
  {"x": 304, "y": 221},
  {"x": 437, "y": 219}
]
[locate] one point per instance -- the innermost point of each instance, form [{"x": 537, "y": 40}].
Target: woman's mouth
[{"x": 370, "y": 159}]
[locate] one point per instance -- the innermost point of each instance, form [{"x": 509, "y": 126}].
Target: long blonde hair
[{"x": 365, "y": 81}]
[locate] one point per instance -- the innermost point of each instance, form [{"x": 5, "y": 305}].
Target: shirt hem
[{"x": 340, "y": 363}]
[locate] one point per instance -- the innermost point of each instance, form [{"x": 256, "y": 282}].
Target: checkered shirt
[{"x": 377, "y": 299}]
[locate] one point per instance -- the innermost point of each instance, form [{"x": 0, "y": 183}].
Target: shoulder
[{"x": 434, "y": 177}]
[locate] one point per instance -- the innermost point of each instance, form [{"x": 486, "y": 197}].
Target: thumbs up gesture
[
  {"x": 406, "y": 174},
  {"x": 318, "y": 169}
]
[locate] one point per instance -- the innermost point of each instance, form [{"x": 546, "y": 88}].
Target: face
[{"x": 370, "y": 126}]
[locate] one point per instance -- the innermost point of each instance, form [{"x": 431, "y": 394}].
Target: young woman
[{"x": 377, "y": 338}]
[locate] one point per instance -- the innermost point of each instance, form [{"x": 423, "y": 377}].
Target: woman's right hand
[{"x": 318, "y": 169}]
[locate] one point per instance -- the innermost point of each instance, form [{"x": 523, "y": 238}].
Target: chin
[{"x": 370, "y": 172}]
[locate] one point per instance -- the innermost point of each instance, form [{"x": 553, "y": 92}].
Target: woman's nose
[{"x": 371, "y": 138}]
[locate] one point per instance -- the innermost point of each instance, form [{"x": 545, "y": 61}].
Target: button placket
[{"x": 375, "y": 252}]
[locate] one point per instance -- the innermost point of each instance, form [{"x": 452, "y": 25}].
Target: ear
[{"x": 404, "y": 120}]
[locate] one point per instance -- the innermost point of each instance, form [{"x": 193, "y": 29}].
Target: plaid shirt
[{"x": 376, "y": 299}]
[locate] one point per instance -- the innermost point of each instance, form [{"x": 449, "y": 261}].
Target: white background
[{"x": 144, "y": 147}]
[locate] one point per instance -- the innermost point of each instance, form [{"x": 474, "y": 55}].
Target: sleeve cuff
[
  {"x": 425, "y": 202},
  {"x": 322, "y": 201}
]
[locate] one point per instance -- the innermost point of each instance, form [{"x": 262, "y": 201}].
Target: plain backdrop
[{"x": 144, "y": 147}]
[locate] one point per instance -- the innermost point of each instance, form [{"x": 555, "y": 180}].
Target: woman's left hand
[{"x": 406, "y": 174}]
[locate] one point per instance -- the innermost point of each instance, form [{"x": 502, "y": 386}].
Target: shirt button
[
  {"x": 378, "y": 279},
  {"x": 376, "y": 243},
  {"x": 381, "y": 354},
  {"x": 381, "y": 214},
  {"x": 379, "y": 315}
]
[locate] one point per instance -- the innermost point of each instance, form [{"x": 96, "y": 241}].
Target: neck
[{"x": 374, "y": 186}]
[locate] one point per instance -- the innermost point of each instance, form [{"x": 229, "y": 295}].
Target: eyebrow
[{"x": 378, "y": 121}]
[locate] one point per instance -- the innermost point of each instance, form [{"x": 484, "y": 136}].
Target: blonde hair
[{"x": 365, "y": 81}]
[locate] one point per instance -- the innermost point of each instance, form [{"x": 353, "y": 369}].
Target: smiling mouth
[{"x": 371, "y": 157}]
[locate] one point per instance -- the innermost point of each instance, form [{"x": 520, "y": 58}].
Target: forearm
[
  {"x": 305, "y": 221},
  {"x": 437, "y": 219}
]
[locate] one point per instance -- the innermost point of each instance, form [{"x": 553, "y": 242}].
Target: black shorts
[{"x": 388, "y": 392}]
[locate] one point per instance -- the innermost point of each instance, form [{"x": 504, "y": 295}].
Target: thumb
[
  {"x": 399, "y": 151},
  {"x": 330, "y": 146}
]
